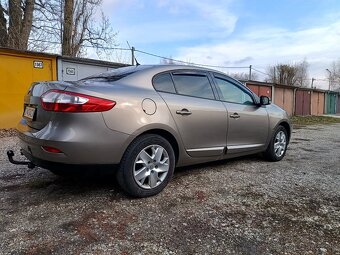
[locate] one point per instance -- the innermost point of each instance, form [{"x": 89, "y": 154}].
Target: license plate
[{"x": 29, "y": 112}]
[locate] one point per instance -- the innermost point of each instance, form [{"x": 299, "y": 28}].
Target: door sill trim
[{"x": 206, "y": 152}]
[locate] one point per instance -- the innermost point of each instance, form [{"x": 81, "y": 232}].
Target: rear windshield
[{"x": 112, "y": 75}]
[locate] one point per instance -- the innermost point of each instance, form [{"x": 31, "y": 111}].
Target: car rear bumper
[
  {"x": 67, "y": 166},
  {"x": 80, "y": 143}
]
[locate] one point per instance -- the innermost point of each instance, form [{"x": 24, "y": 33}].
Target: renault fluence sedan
[{"x": 148, "y": 120}]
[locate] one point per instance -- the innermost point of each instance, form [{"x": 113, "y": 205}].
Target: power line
[
  {"x": 309, "y": 79},
  {"x": 261, "y": 72},
  {"x": 86, "y": 46},
  {"x": 167, "y": 58},
  {"x": 190, "y": 63},
  {"x": 320, "y": 79}
]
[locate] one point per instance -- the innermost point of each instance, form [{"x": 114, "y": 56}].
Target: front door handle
[
  {"x": 183, "y": 112},
  {"x": 235, "y": 115}
]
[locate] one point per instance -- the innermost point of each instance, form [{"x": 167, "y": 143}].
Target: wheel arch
[{"x": 166, "y": 134}]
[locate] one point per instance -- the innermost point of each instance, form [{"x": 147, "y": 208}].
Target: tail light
[
  {"x": 51, "y": 149},
  {"x": 65, "y": 101}
]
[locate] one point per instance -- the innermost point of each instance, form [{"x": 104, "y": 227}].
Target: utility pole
[
  {"x": 329, "y": 79},
  {"x": 312, "y": 82},
  {"x": 133, "y": 56},
  {"x": 249, "y": 78},
  {"x": 274, "y": 77}
]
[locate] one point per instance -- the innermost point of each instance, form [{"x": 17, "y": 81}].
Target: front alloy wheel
[
  {"x": 280, "y": 144},
  {"x": 277, "y": 147}
]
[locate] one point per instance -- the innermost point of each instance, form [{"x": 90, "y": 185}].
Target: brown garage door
[
  {"x": 302, "y": 102},
  {"x": 284, "y": 97},
  {"x": 318, "y": 102}
]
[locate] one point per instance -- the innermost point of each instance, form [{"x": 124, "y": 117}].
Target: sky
[{"x": 231, "y": 33}]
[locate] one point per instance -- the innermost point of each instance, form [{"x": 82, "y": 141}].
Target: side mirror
[{"x": 264, "y": 100}]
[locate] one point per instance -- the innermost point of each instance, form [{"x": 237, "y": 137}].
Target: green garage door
[{"x": 330, "y": 103}]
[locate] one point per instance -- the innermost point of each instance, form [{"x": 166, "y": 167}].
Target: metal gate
[
  {"x": 18, "y": 69},
  {"x": 302, "y": 102},
  {"x": 330, "y": 104}
]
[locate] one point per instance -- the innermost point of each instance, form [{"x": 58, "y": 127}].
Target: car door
[
  {"x": 248, "y": 123},
  {"x": 200, "y": 118}
]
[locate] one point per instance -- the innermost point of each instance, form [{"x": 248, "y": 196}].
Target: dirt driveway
[{"x": 243, "y": 206}]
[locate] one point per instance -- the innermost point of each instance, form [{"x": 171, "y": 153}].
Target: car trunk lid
[{"x": 35, "y": 116}]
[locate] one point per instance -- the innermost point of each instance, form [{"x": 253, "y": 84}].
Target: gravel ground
[
  {"x": 241, "y": 206},
  {"x": 7, "y": 132}
]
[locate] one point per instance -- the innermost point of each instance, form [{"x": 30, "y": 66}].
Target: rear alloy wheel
[
  {"x": 147, "y": 166},
  {"x": 151, "y": 166},
  {"x": 278, "y": 145}
]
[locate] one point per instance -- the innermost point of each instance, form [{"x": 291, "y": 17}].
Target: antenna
[{"x": 133, "y": 54}]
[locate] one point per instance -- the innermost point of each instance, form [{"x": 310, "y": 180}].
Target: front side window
[
  {"x": 232, "y": 93},
  {"x": 195, "y": 85}
]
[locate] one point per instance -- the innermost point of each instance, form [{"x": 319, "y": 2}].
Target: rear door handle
[
  {"x": 183, "y": 112},
  {"x": 235, "y": 116}
]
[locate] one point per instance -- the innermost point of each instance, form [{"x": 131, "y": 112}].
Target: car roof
[
  {"x": 152, "y": 68},
  {"x": 141, "y": 75}
]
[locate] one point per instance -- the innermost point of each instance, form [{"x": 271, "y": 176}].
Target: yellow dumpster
[{"x": 18, "y": 69}]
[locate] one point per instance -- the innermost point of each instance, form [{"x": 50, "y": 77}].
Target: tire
[
  {"x": 147, "y": 166},
  {"x": 277, "y": 147}
]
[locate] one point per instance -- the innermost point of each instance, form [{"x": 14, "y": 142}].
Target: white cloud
[
  {"x": 179, "y": 20},
  {"x": 218, "y": 14},
  {"x": 215, "y": 13},
  {"x": 165, "y": 26},
  {"x": 267, "y": 46}
]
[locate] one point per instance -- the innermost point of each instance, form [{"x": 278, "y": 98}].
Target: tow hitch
[{"x": 10, "y": 155}]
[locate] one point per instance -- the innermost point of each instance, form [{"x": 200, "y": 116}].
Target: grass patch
[{"x": 313, "y": 120}]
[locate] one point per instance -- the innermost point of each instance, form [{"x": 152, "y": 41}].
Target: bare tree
[
  {"x": 302, "y": 73},
  {"x": 335, "y": 75},
  {"x": 73, "y": 24},
  {"x": 244, "y": 76},
  {"x": 67, "y": 47},
  {"x": 15, "y": 23},
  {"x": 289, "y": 74}
]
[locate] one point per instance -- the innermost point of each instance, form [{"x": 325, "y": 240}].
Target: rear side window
[
  {"x": 163, "y": 83},
  {"x": 196, "y": 85}
]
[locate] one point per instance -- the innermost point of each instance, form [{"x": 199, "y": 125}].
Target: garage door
[{"x": 17, "y": 72}]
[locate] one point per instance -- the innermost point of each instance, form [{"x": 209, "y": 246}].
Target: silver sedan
[{"x": 148, "y": 120}]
